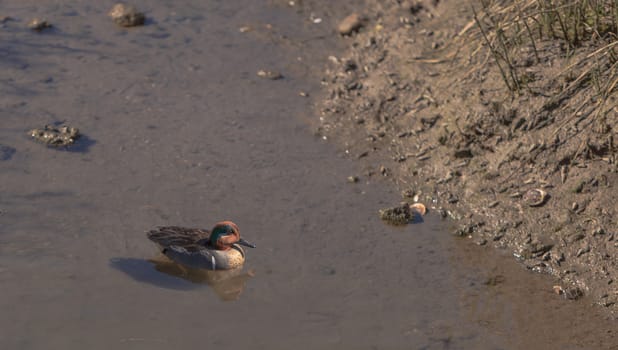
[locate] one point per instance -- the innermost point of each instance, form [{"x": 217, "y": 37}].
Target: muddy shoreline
[{"x": 412, "y": 103}]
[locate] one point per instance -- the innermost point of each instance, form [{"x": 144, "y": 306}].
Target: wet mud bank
[
  {"x": 199, "y": 114},
  {"x": 423, "y": 96}
]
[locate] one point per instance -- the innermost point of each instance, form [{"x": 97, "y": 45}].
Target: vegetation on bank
[{"x": 522, "y": 33}]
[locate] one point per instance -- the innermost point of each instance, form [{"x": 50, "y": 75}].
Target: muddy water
[{"x": 180, "y": 130}]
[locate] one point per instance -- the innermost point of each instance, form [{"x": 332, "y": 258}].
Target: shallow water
[{"x": 180, "y": 131}]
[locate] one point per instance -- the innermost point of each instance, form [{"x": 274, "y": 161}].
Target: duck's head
[{"x": 226, "y": 233}]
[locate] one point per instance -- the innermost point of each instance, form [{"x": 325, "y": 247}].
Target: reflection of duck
[
  {"x": 228, "y": 284},
  {"x": 199, "y": 249}
]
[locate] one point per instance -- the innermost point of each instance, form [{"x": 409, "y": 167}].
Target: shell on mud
[
  {"x": 52, "y": 136},
  {"x": 535, "y": 197},
  {"x": 126, "y": 15},
  {"x": 38, "y": 24},
  {"x": 419, "y": 208}
]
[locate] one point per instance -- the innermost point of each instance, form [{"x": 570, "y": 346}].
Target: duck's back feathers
[{"x": 191, "y": 239}]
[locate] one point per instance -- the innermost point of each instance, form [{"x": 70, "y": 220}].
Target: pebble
[
  {"x": 39, "y": 25},
  {"x": 350, "y": 24},
  {"x": 126, "y": 15},
  {"x": 267, "y": 74},
  {"x": 353, "y": 179}
]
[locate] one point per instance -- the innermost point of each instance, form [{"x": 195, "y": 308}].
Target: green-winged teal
[{"x": 200, "y": 249}]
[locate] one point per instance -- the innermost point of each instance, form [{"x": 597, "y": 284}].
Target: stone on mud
[
  {"x": 269, "y": 74},
  {"x": 350, "y": 24},
  {"x": 38, "y": 25},
  {"x": 126, "y": 15}
]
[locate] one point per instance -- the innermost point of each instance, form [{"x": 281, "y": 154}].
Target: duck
[{"x": 218, "y": 249}]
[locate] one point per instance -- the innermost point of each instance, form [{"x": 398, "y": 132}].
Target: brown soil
[{"x": 416, "y": 98}]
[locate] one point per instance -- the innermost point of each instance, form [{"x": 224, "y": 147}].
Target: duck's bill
[{"x": 245, "y": 243}]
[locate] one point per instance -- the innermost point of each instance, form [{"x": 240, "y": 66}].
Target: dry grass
[{"x": 584, "y": 30}]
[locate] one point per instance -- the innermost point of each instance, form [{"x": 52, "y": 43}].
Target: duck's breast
[
  {"x": 234, "y": 257},
  {"x": 209, "y": 259}
]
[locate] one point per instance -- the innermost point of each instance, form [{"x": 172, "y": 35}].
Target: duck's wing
[
  {"x": 194, "y": 258},
  {"x": 190, "y": 239}
]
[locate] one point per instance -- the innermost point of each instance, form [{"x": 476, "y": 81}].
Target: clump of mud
[
  {"x": 399, "y": 215},
  {"x": 63, "y": 136},
  {"x": 402, "y": 214}
]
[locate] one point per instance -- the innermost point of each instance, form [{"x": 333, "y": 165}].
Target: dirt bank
[{"x": 515, "y": 145}]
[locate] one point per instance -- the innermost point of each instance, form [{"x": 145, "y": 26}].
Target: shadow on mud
[
  {"x": 6, "y": 152},
  {"x": 82, "y": 145}
]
